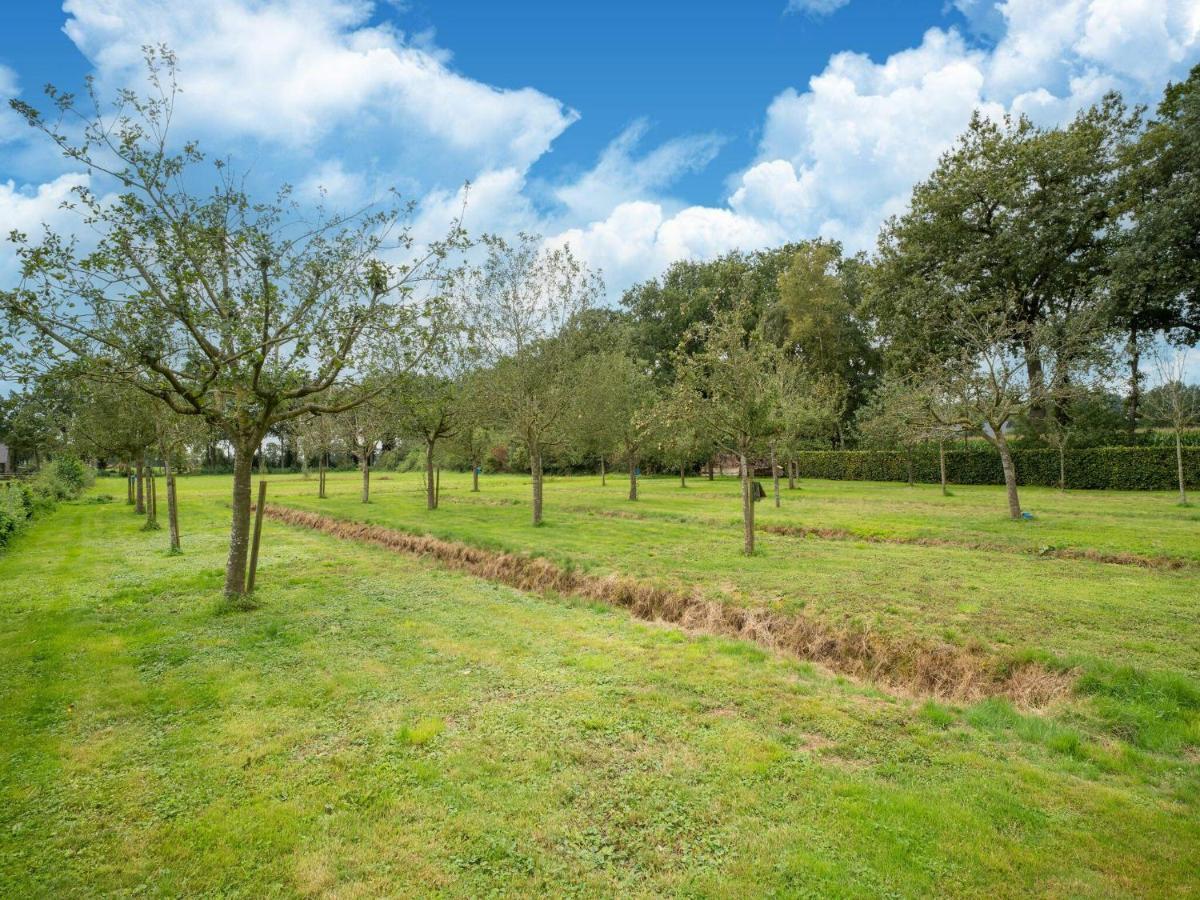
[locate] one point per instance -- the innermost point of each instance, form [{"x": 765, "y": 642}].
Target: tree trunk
[
  {"x": 140, "y": 508},
  {"x": 1062, "y": 466},
  {"x": 303, "y": 457},
  {"x": 323, "y": 465},
  {"x": 437, "y": 488},
  {"x": 535, "y": 471},
  {"x": 366, "y": 477},
  {"x": 775, "y": 477},
  {"x": 129, "y": 483},
  {"x": 239, "y": 530},
  {"x": 1135, "y": 381},
  {"x": 430, "y": 488},
  {"x": 710, "y": 469},
  {"x": 1035, "y": 372},
  {"x": 172, "y": 509},
  {"x": 747, "y": 508},
  {"x": 603, "y": 474},
  {"x": 1179, "y": 468},
  {"x": 792, "y": 465},
  {"x": 151, "y": 500},
  {"x": 633, "y": 477},
  {"x": 1010, "y": 474},
  {"x": 942, "y": 465},
  {"x": 683, "y": 475},
  {"x": 475, "y": 479}
]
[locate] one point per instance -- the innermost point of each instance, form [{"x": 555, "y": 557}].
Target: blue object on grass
[{"x": 1027, "y": 515}]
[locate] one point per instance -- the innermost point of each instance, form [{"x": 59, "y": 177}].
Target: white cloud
[
  {"x": 839, "y": 157},
  {"x": 639, "y": 239},
  {"x": 333, "y": 183},
  {"x": 26, "y": 209},
  {"x": 619, "y": 176},
  {"x": 494, "y": 202},
  {"x": 815, "y": 7},
  {"x": 298, "y": 71}
]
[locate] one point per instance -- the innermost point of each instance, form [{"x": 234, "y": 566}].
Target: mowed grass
[
  {"x": 1009, "y": 601},
  {"x": 377, "y": 726}
]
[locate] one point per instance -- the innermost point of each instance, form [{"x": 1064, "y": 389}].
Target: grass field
[
  {"x": 381, "y": 726},
  {"x": 1072, "y": 609}
]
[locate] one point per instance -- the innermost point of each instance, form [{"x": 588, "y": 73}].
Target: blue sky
[
  {"x": 638, "y": 132},
  {"x": 680, "y": 67}
]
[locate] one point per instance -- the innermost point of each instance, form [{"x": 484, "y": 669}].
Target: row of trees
[{"x": 997, "y": 304}]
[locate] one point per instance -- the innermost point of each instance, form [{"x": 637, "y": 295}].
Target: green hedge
[
  {"x": 1103, "y": 468},
  {"x": 63, "y": 478}
]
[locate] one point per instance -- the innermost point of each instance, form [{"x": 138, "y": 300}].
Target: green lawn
[
  {"x": 1012, "y": 601},
  {"x": 382, "y": 726}
]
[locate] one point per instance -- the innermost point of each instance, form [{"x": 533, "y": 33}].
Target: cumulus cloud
[
  {"x": 639, "y": 239},
  {"x": 838, "y": 157},
  {"x": 28, "y": 208},
  {"x": 299, "y": 71}
]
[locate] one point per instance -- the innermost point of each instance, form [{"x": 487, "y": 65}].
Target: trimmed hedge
[{"x": 1098, "y": 468}]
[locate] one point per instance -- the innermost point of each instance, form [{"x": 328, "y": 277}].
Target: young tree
[
  {"x": 985, "y": 387},
  {"x": 811, "y": 409},
  {"x": 1077, "y": 363},
  {"x": 616, "y": 392},
  {"x": 522, "y": 299},
  {"x": 319, "y": 434},
  {"x": 1175, "y": 403},
  {"x": 117, "y": 421},
  {"x": 473, "y": 437},
  {"x": 428, "y": 408},
  {"x": 898, "y": 415},
  {"x": 363, "y": 428},
  {"x": 676, "y": 439},
  {"x": 594, "y": 427},
  {"x": 173, "y": 435},
  {"x": 241, "y": 312},
  {"x": 731, "y": 387}
]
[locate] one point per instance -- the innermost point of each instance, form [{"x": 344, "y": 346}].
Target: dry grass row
[{"x": 916, "y": 667}]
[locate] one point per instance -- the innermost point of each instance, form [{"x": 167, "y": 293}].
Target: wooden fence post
[{"x": 258, "y": 517}]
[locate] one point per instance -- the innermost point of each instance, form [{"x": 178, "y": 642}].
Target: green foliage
[
  {"x": 1098, "y": 468},
  {"x": 69, "y": 476},
  {"x": 15, "y": 509},
  {"x": 63, "y": 478}
]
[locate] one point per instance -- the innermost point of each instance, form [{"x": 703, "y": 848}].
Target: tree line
[{"x": 1033, "y": 270}]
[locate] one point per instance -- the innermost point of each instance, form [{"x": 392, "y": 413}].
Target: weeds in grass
[{"x": 920, "y": 667}]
